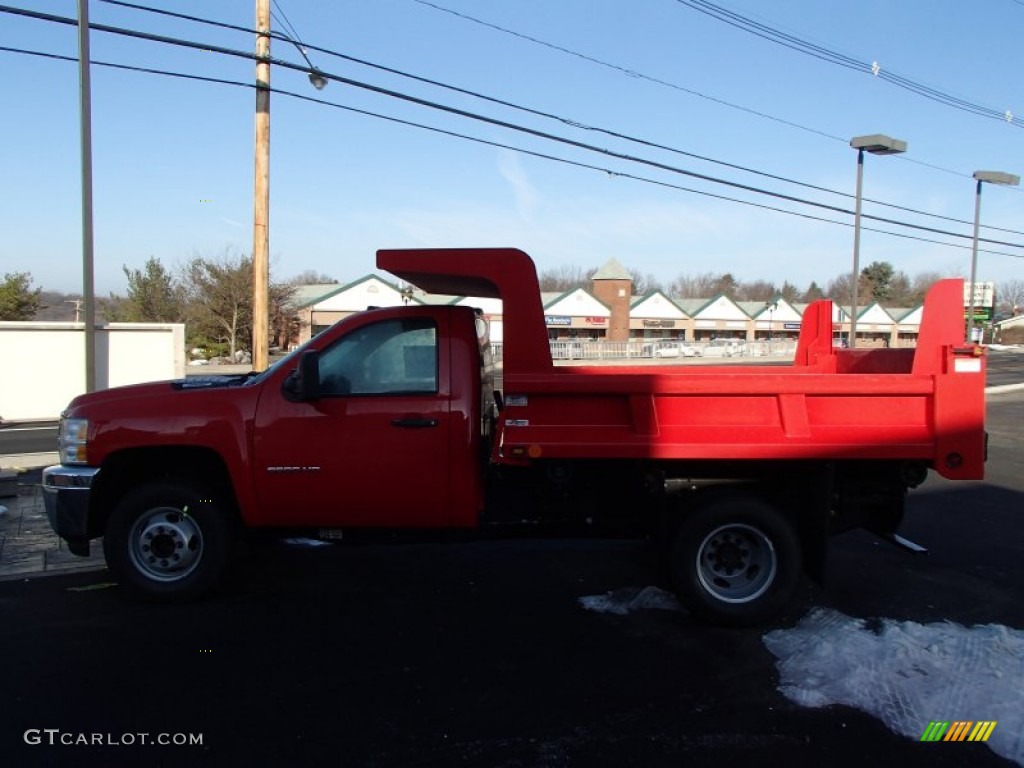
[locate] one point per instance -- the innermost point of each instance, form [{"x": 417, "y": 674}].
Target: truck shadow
[{"x": 971, "y": 573}]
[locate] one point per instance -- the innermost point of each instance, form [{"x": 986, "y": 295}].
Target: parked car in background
[
  {"x": 670, "y": 348},
  {"x": 723, "y": 348},
  {"x": 666, "y": 348},
  {"x": 687, "y": 350}
]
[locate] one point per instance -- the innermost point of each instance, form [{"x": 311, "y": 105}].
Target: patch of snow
[
  {"x": 907, "y": 674},
  {"x": 299, "y": 541},
  {"x": 1019, "y": 348},
  {"x": 629, "y": 599}
]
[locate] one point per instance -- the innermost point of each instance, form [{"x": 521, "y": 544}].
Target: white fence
[
  {"x": 44, "y": 363},
  {"x": 584, "y": 349}
]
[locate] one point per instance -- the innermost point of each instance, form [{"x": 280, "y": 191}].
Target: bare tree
[
  {"x": 644, "y": 284},
  {"x": 900, "y": 291},
  {"x": 284, "y": 319},
  {"x": 311, "y": 277},
  {"x": 840, "y": 290},
  {"x": 565, "y": 278},
  {"x": 702, "y": 286},
  {"x": 920, "y": 285},
  {"x": 1010, "y": 297},
  {"x": 757, "y": 290}
]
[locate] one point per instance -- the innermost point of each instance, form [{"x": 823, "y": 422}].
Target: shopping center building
[{"x": 608, "y": 310}]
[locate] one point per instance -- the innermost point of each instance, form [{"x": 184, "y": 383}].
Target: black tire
[
  {"x": 167, "y": 541},
  {"x": 735, "y": 561}
]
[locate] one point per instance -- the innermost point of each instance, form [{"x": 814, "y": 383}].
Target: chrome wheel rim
[
  {"x": 165, "y": 544},
  {"x": 736, "y": 563}
]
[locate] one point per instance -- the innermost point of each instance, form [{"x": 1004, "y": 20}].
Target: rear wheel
[
  {"x": 167, "y": 541},
  {"x": 735, "y": 561}
]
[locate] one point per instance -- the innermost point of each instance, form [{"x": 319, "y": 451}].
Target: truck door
[{"x": 372, "y": 450}]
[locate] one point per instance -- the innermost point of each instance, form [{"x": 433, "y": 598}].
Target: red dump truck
[{"x": 394, "y": 419}]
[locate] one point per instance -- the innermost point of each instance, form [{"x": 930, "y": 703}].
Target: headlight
[{"x": 72, "y": 441}]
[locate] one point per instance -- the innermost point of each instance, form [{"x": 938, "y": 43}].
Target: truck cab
[{"x": 378, "y": 422}]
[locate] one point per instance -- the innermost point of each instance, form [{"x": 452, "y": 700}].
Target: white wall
[{"x": 42, "y": 365}]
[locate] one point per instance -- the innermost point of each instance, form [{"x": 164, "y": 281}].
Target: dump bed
[{"x": 924, "y": 404}]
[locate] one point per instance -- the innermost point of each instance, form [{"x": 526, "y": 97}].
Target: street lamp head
[
  {"x": 997, "y": 177},
  {"x": 879, "y": 144},
  {"x": 318, "y": 80}
]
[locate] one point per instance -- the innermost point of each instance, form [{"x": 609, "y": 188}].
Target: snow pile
[
  {"x": 629, "y": 599},
  {"x": 907, "y": 674},
  {"x": 1006, "y": 347}
]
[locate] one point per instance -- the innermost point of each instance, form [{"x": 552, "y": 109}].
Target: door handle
[{"x": 414, "y": 422}]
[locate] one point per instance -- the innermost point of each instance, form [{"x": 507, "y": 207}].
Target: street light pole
[
  {"x": 992, "y": 177},
  {"x": 876, "y": 144},
  {"x": 771, "y": 306},
  {"x": 85, "y": 119}
]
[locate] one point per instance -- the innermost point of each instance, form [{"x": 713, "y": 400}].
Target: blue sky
[{"x": 173, "y": 159}]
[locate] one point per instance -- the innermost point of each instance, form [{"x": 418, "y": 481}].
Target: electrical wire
[
  {"x": 287, "y": 24},
  {"x": 493, "y": 121},
  {"x": 558, "y": 118},
  {"x": 625, "y": 70},
  {"x": 501, "y": 145},
  {"x": 808, "y": 48},
  {"x": 665, "y": 83}
]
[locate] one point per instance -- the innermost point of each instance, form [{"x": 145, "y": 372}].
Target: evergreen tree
[{"x": 17, "y": 299}]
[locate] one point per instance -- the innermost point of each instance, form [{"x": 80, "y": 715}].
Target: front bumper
[{"x": 66, "y": 498}]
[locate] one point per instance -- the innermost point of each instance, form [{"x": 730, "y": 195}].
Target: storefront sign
[
  {"x": 597, "y": 321},
  {"x": 557, "y": 320},
  {"x": 659, "y": 323},
  {"x": 984, "y": 294}
]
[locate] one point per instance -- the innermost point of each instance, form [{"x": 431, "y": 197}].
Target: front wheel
[
  {"x": 735, "y": 561},
  {"x": 167, "y": 541}
]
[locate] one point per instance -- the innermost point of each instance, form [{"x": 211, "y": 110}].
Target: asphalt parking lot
[{"x": 481, "y": 653}]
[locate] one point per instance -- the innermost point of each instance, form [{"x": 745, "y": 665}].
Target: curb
[{"x": 25, "y": 462}]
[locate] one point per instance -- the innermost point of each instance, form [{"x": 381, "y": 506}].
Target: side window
[{"x": 392, "y": 356}]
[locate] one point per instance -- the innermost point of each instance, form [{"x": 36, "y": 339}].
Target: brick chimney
[{"x": 614, "y": 287}]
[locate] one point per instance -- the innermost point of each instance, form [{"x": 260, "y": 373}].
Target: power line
[
  {"x": 501, "y": 145},
  {"x": 496, "y": 122},
  {"x": 800, "y": 45},
  {"x": 558, "y": 118},
  {"x": 665, "y": 83},
  {"x": 625, "y": 70},
  {"x": 464, "y": 113},
  {"x": 287, "y": 24}
]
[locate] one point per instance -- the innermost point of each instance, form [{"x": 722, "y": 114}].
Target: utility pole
[
  {"x": 261, "y": 200},
  {"x": 85, "y": 119},
  {"x": 78, "y": 308}
]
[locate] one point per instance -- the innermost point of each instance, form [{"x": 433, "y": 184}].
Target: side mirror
[{"x": 304, "y": 382}]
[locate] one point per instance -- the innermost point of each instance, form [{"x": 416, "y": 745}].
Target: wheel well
[
  {"x": 802, "y": 495},
  {"x": 127, "y": 470}
]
